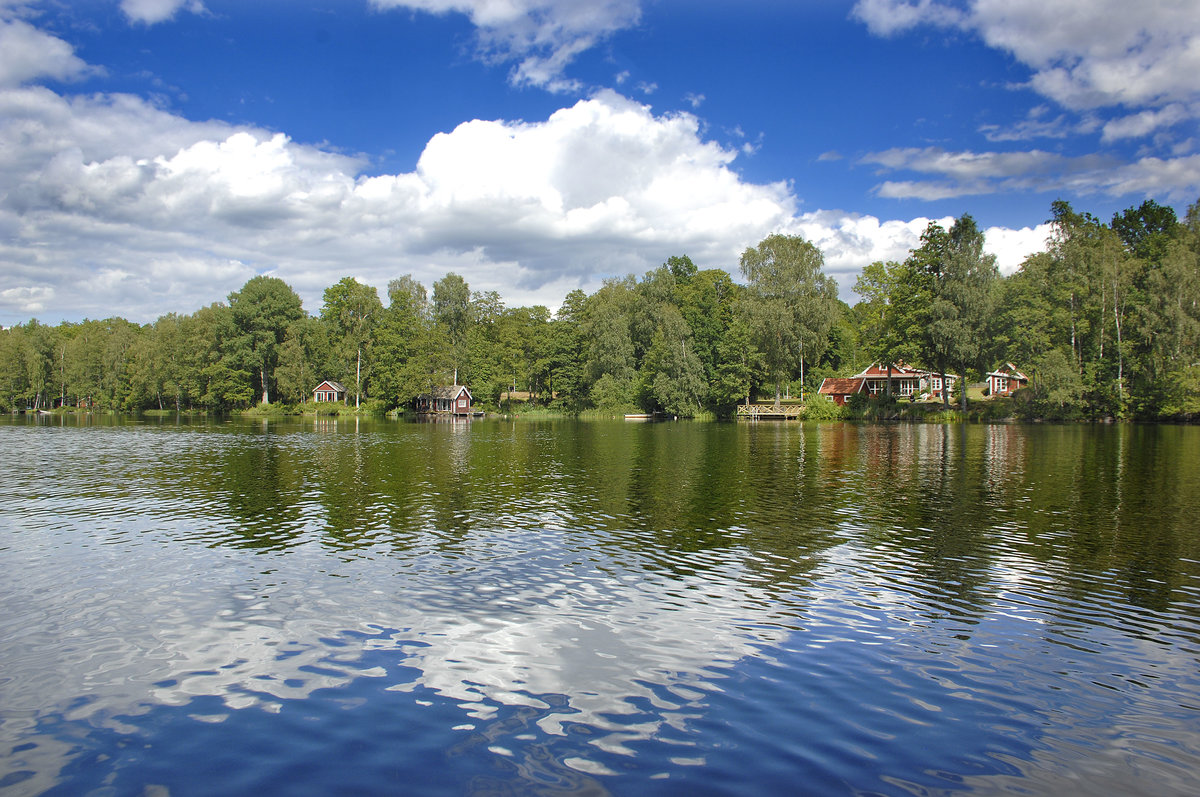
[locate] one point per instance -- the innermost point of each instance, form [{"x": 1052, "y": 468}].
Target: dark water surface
[{"x": 509, "y": 608}]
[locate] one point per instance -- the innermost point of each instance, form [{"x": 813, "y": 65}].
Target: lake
[{"x": 510, "y": 607}]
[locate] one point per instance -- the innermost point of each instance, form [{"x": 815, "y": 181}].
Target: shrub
[{"x": 820, "y": 407}]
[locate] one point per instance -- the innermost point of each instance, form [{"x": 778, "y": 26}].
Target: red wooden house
[
  {"x": 445, "y": 400},
  {"x": 329, "y": 391},
  {"x": 1006, "y": 381},
  {"x": 907, "y": 382},
  {"x": 841, "y": 389}
]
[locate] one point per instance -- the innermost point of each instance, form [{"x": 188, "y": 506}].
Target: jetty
[{"x": 769, "y": 412}]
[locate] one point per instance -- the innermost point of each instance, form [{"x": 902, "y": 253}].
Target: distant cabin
[
  {"x": 1006, "y": 381},
  {"x": 329, "y": 391},
  {"x": 445, "y": 400},
  {"x": 840, "y": 389}
]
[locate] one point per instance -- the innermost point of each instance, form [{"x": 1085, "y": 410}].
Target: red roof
[
  {"x": 1009, "y": 371},
  {"x": 841, "y": 386},
  {"x": 877, "y": 371}
]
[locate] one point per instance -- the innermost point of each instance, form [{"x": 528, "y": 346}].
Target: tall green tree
[
  {"x": 452, "y": 315},
  {"x": 671, "y": 369},
  {"x": 566, "y": 367},
  {"x": 739, "y": 364},
  {"x": 706, "y": 299},
  {"x": 944, "y": 295},
  {"x": 1146, "y": 230},
  {"x": 217, "y": 379},
  {"x": 303, "y": 359},
  {"x": 607, "y": 332},
  {"x": 350, "y": 312},
  {"x": 401, "y": 343},
  {"x": 793, "y": 304},
  {"x": 263, "y": 310},
  {"x": 969, "y": 288},
  {"x": 879, "y": 330}
]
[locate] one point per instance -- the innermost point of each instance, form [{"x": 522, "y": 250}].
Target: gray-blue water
[{"x": 509, "y": 608}]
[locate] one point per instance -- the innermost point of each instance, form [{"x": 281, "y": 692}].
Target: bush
[
  {"x": 820, "y": 407},
  {"x": 375, "y": 406},
  {"x": 859, "y": 403}
]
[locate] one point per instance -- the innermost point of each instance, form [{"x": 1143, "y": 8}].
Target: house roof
[
  {"x": 841, "y": 386},
  {"x": 338, "y": 386},
  {"x": 447, "y": 392},
  {"x": 899, "y": 370},
  {"x": 1009, "y": 371}
]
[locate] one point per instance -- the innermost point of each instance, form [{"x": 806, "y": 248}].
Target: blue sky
[{"x": 156, "y": 154}]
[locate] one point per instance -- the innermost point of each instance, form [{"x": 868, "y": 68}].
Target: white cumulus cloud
[
  {"x": 103, "y": 190},
  {"x": 27, "y": 54},
  {"x": 1083, "y": 54},
  {"x": 112, "y": 206}
]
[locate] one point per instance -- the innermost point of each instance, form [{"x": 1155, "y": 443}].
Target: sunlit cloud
[
  {"x": 1146, "y": 122},
  {"x": 114, "y": 205},
  {"x": 1083, "y": 53},
  {"x": 977, "y": 173},
  {"x": 541, "y": 38},
  {"x": 27, "y": 54},
  {"x": 151, "y": 12}
]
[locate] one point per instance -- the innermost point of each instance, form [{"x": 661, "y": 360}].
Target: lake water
[{"x": 511, "y": 608}]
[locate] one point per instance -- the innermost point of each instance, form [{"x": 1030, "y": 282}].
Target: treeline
[{"x": 1106, "y": 320}]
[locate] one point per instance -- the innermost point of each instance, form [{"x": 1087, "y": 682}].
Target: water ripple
[{"x": 529, "y": 608}]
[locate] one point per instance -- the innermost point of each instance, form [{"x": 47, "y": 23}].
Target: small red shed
[{"x": 329, "y": 391}]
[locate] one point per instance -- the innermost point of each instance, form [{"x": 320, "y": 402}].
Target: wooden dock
[{"x": 769, "y": 412}]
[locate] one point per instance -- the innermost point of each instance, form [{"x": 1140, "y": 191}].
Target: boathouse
[
  {"x": 445, "y": 400},
  {"x": 329, "y": 391}
]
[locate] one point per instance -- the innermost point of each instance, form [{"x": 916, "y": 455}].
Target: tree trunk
[
  {"x": 358, "y": 379},
  {"x": 888, "y": 389},
  {"x": 1120, "y": 353},
  {"x": 262, "y": 373}
]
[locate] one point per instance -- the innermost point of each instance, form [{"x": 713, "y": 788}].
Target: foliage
[
  {"x": 819, "y": 407},
  {"x": 351, "y": 312},
  {"x": 792, "y": 305},
  {"x": 1106, "y": 321},
  {"x": 262, "y": 311}
]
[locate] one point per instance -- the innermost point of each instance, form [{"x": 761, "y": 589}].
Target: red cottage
[
  {"x": 841, "y": 389},
  {"x": 452, "y": 400},
  {"x": 329, "y": 391},
  {"x": 906, "y": 380},
  {"x": 1006, "y": 381}
]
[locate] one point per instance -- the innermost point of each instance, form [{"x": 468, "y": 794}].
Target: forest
[{"x": 1105, "y": 321}]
